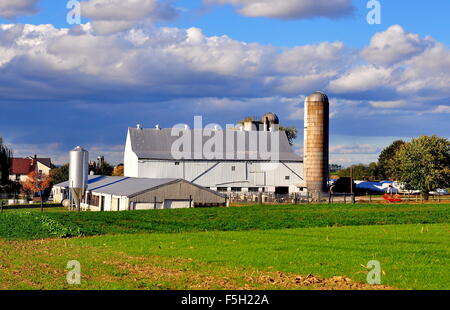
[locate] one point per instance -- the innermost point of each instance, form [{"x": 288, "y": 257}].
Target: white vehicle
[
  {"x": 402, "y": 190},
  {"x": 439, "y": 192}
]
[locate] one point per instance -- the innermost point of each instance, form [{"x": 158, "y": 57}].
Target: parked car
[{"x": 439, "y": 192}]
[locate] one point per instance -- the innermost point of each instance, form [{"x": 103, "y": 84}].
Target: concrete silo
[{"x": 316, "y": 144}]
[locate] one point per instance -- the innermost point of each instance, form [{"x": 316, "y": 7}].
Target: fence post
[
  {"x": 345, "y": 198},
  {"x": 1, "y": 206}
]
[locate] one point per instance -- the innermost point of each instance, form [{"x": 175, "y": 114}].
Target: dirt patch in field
[
  {"x": 181, "y": 273},
  {"x": 310, "y": 281},
  {"x": 41, "y": 264}
]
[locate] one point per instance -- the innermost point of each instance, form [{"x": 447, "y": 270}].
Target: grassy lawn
[
  {"x": 36, "y": 225},
  {"x": 413, "y": 256}
]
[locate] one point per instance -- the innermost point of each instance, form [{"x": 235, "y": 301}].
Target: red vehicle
[{"x": 392, "y": 198}]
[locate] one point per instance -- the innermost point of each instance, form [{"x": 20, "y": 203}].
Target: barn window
[
  {"x": 287, "y": 177},
  {"x": 95, "y": 201},
  {"x": 233, "y": 168},
  {"x": 177, "y": 163}
]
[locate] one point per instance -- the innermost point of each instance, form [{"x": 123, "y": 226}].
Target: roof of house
[
  {"x": 45, "y": 161},
  {"x": 27, "y": 165},
  {"x": 21, "y": 166},
  {"x": 158, "y": 143},
  {"x": 124, "y": 186}
]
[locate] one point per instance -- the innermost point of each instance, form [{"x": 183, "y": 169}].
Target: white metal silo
[{"x": 78, "y": 174}]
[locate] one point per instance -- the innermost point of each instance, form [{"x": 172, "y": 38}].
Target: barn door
[
  {"x": 115, "y": 204},
  {"x": 176, "y": 204}
]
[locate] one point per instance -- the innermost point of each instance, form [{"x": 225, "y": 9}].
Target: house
[
  {"x": 238, "y": 165},
  {"x": 111, "y": 193},
  {"x": 21, "y": 167}
]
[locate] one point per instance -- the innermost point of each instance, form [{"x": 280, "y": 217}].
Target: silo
[
  {"x": 270, "y": 122},
  {"x": 316, "y": 144},
  {"x": 78, "y": 174}
]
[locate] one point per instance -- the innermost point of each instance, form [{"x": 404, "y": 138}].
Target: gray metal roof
[
  {"x": 157, "y": 144},
  {"x": 121, "y": 186}
]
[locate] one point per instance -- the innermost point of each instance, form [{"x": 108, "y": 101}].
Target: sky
[{"x": 163, "y": 62}]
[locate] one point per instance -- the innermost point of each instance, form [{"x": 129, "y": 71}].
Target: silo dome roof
[
  {"x": 318, "y": 96},
  {"x": 271, "y": 118}
]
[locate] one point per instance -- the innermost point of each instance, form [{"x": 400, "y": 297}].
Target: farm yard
[{"x": 253, "y": 247}]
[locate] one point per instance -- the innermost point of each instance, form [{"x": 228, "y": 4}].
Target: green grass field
[
  {"x": 36, "y": 225},
  {"x": 261, "y": 247}
]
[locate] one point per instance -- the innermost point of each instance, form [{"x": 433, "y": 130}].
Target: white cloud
[
  {"x": 394, "y": 45},
  {"x": 354, "y": 149},
  {"x": 290, "y": 9},
  {"x": 110, "y": 16},
  {"x": 347, "y": 160},
  {"x": 388, "y": 104},
  {"x": 14, "y": 8},
  {"x": 445, "y": 109},
  {"x": 428, "y": 73},
  {"x": 363, "y": 78},
  {"x": 310, "y": 66}
]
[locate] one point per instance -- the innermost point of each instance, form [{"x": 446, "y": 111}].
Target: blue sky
[{"x": 162, "y": 62}]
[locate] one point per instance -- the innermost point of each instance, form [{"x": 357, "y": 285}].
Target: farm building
[
  {"x": 238, "y": 163},
  {"x": 108, "y": 193}
]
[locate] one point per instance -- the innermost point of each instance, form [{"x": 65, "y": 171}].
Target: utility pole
[{"x": 351, "y": 185}]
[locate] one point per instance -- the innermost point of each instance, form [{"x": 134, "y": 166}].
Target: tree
[
  {"x": 386, "y": 160},
  {"x": 60, "y": 174},
  {"x": 360, "y": 172},
  {"x": 5, "y": 163},
  {"x": 423, "y": 164},
  {"x": 104, "y": 169},
  {"x": 247, "y": 119},
  {"x": 118, "y": 171},
  {"x": 37, "y": 183},
  {"x": 291, "y": 133}
]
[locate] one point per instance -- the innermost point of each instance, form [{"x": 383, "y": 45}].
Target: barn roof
[
  {"x": 157, "y": 144},
  {"x": 124, "y": 186}
]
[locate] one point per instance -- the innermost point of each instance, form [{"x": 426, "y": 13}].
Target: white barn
[
  {"x": 238, "y": 165},
  {"x": 110, "y": 193}
]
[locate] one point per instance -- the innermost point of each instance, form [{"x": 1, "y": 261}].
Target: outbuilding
[{"x": 109, "y": 193}]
